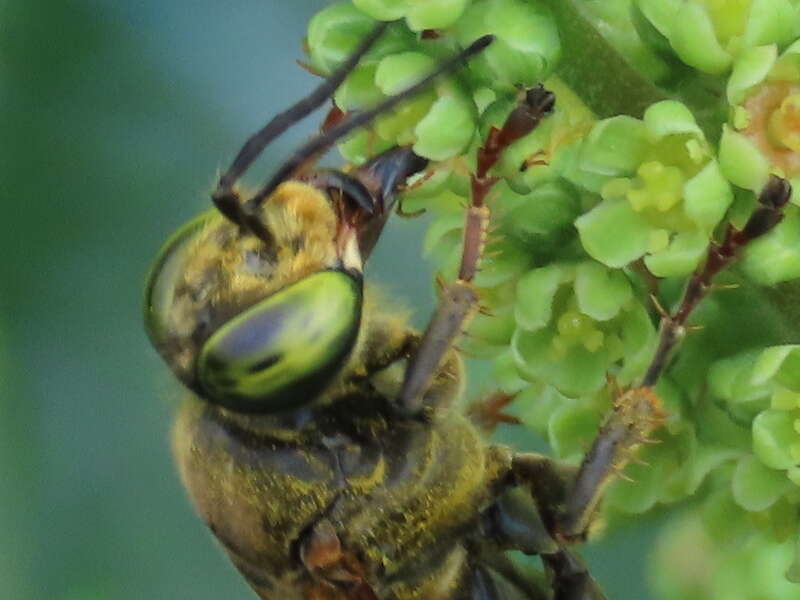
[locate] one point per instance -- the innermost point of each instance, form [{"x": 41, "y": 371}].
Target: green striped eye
[
  {"x": 160, "y": 288},
  {"x": 282, "y": 352}
]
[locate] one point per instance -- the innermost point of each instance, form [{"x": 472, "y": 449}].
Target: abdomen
[{"x": 400, "y": 496}]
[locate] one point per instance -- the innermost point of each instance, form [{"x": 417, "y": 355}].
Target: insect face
[{"x": 263, "y": 325}]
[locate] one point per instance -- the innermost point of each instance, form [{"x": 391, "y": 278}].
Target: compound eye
[
  {"x": 163, "y": 277},
  {"x": 282, "y": 352}
]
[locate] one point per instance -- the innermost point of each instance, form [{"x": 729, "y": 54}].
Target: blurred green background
[{"x": 116, "y": 117}]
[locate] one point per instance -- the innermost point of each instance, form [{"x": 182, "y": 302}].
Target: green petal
[
  {"x": 773, "y": 436},
  {"x": 526, "y": 48},
  {"x": 749, "y": 70},
  {"x": 771, "y": 361},
  {"x": 755, "y": 487},
  {"x": 787, "y": 67},
  {"x": 383, "y": 10},
  {"x": 771, "y": 21},
  {"x": 704, "y": 462},
  {"x": 614, "y": 147},
  {"x": 601, "y": 292},
  {"x": 400, "y": 71},
  {"x": 440, "y": 228},
  {"x": 493, "y": 330},
  {"x": 737, "y": 379},
  {"x": 638, "y": 338},
  {"x": 578, "y": 373},
  {"x": 571, "y": 428},
  {"x": 535, "y": 292},
  {"x": 504, "y": 372},
  {"x": 660, "y": 13},
  {"x": 537, "y": 404},
  {"x": 333, "y": 34},
  {"x": 741, "y": 162},
  {"x": 694, "y": 39},
  {"x": 359, "y": 89},
  {"x": 614, "y": 233},
  {"x": 775, "y": 257},
  {"x": 426, "y": 14},
  {"x": 447, "y": 129},
  {"x": 681, "y": 257},
  {"x": 723, "y": 518},
  {"x": 362, "y": 145},
  {"x": 788, "y": 375},
  {"x": 546, "y": 211},
  {"x": 707, "y": 196},
  {"x": 670, "y": 117},
  {"x": 639, "y": 495},
  {"x": 505, "y": 259}
]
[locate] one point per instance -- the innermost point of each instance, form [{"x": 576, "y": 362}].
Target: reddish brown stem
[
  {"x": 638, "y": 412},
  {"x": 768, "y": 214},
  {"x": 459, "y": 300}
]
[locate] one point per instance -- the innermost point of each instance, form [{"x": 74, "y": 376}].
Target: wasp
[{"x": 318, "y": 441}]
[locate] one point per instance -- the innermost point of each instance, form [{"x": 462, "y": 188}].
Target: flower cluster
[
  {"x": 441, "y": 122},
  {"x": 670, "y": 117},
  {"x": 662, "y": 189}
]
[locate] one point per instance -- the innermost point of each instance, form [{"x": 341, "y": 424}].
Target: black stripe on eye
[{"x": 265, "y": 364}]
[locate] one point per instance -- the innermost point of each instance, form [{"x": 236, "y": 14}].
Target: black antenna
[
  {"x": 323, "y": 142},
  {"x": 224, "y": 197}
]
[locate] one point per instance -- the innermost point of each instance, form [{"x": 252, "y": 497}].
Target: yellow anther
[{"x": 784, "y": 123}]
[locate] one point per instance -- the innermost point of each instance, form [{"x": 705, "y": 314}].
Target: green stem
[{"x": 598, "y": 73}]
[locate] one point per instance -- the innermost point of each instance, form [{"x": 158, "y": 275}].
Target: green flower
[
  {"x": 689, "y": 564},
  {"x": 574, "y": 322},
  {"x": 526, "y": 48},
  {"x": 334, "y": 33},
  {"x": 763, "y": 388},
  {"x": 662, "y": 191},
  {"x": 439, "y": 123},
  {"x": 763, "y": 135},
  {"x": 775, "y": 257},
  {"x": 580, "y": 199},
  {"x": 709, "y": 34}
]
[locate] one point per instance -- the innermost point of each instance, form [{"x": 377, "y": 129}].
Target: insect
[{"x": 318, "y": 443}]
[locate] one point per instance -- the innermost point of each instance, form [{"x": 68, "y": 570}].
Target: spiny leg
[
  {"x": 459, "y": 300},
  {"x": 637, "y": 413},
  {"x": 225, "y": 197}
]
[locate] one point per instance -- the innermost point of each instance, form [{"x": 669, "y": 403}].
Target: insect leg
[
  {"x": 458, "y": 301},
  {"x": 637, "y": 413},
  {"x": 518, "y": 521},
  {"x": 502, "y": 582},
  {"x": 224, "y": 196}
]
